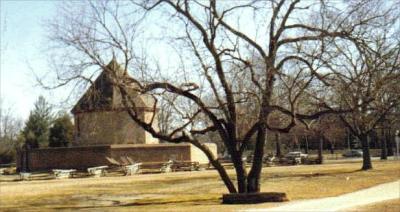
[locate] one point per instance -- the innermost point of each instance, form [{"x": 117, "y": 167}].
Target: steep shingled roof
[{"x": 103, "y": 95}]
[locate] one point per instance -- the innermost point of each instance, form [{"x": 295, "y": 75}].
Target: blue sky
[
  {"x": 23, "y": 52},
  {"x": 23, "y": 55},
  {"x": 22, "y": 47}
]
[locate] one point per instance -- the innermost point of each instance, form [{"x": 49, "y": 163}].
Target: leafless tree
[
  {"x": 10, "y": 127},
  {"x": 215, "y": 76},
  {"x": 367, "y": 74}
]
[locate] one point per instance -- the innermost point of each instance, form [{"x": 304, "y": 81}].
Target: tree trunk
[
  {"x": 320, "y": 149},
  {"x": 296, "y": 143},
  {"x": 383, "y": 145},
  {"x": 255, "y": 172},
  {"x": 26, "y": 167},
  {"x": 366, "y": 156},
  {"x": 389, "y": 143},
  {"x": 348, "y": 140},
  {"x": 397, "y": 141},
  {"x": 253, "y": 184},
  {"x": 331, "y": 147},
  {"x": 240, "y": 172},
  {"x": 306, "y": 149},
  {"x": 278, "y": 145},
  {"x": 239, "y": 168}
]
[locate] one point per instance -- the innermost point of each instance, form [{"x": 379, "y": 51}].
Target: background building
[{"x": 101, "y": 119}]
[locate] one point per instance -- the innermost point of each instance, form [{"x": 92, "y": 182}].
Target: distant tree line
[{"x": 41, "y": 129}]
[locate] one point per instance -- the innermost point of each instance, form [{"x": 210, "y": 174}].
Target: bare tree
[
  {"x": 220, "y": 50},
  {"x": 367, "y": 75},
  {"x": 10, "y": 127}
]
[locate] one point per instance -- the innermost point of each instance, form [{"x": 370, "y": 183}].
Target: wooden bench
[
  {"x": 172, "y": 166},
  {"x": 167, "y": 167},
  {"x": 132, "y": 169},
  {"x": 63, "y": 173},
  {"x": 311, "y": 160},
  {"x": 97, "y": 171},
  {"x": 152, "y": 165},
  {"x": 25, "y": 176},
  {"x": 185, "y": 166}
]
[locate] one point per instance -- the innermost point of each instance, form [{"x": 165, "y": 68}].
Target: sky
[
  {"x": 22, "y": 44},
  {"x": 23, "y": 53}
]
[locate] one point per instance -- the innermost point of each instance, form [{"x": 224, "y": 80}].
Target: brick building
[
  {"x": 104, "y": 129},
  {"x": 100, "y": 117}
]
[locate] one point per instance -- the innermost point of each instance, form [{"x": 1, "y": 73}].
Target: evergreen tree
[
  {"x": 36, "y": 130},
  {"x": 61, "y": 133}
]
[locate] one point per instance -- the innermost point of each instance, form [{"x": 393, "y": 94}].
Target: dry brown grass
[
  {"x": 386, "y": 206},
  {"x": 187, "y": 191}
]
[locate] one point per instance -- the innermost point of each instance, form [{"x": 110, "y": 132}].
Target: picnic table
[
  {"x": 186, "y": 166},
  {"x": 97, "y": 171},
  {"x": 172, "y": 165},
  {"x": 167, "y": 167},
  {"x": 129, "y": 166},
  {"x": 25, "y": 175},
  {"x": 132, "y": 169},
  {"x": 63, "y": 173}
]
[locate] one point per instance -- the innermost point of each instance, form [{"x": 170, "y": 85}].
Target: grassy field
[
  {"x": 386, "y": 206},
  {"x": 187, "y": 191}
]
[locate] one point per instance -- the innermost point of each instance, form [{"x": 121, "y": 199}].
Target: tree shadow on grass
[
  {"x": 106, "y": 204},
  {"x": 138, "y": 204},
  {"x": 311, "y": 174},
  {"x": 184, "y": 198},
  {"x": 317, "y": 174}
]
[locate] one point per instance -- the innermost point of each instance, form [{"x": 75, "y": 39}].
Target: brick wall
[
  {"x": 64, "y": 158},
  {"x": 110, "y": 127},
  {"x": 152, "y": 152},
  {"x": 84, "y": 157}
]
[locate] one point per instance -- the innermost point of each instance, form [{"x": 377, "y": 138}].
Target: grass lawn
[
  {"x": 386, "y": 206},
  {"x": 188, "y": 191}
]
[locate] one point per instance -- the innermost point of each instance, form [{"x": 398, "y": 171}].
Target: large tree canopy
[{"x": 216, "y": 66}]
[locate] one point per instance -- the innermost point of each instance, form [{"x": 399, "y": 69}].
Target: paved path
[{"x": 374, "y": 194}]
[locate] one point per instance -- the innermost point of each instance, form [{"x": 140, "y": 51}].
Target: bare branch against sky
[{"x": 218, "y": 67}]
